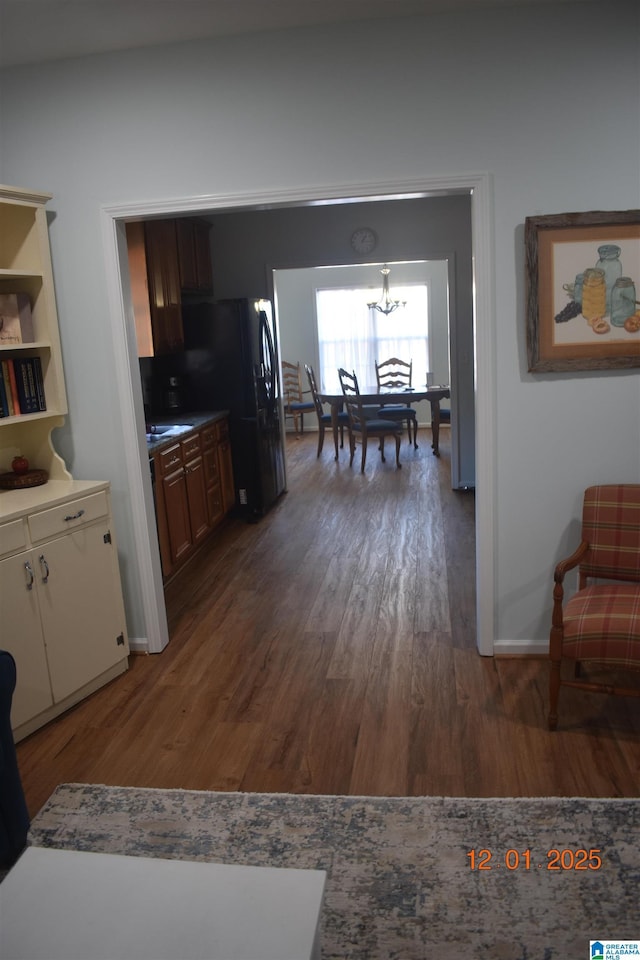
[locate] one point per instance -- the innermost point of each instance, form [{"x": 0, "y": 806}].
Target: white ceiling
[{"x": 35, "y": 30}]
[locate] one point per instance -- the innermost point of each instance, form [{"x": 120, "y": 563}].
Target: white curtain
[{"x": 352, "y": 336}]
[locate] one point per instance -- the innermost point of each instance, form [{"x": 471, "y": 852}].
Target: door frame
[{"x": 129, "y": 389}]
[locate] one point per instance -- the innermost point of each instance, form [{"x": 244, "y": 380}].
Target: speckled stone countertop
[{"x": 181, "y": 426}]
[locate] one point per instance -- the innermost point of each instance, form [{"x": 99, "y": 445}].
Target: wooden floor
[{"x": 330, "y": 648}]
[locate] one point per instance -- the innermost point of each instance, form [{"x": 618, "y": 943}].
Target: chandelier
[{"x": 385, "y": 304}]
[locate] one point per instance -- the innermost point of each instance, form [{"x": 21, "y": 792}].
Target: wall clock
[{"x": 363, "y": 240}]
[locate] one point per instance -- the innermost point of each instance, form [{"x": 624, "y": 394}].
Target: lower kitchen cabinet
[
  {"x": 61, "y": 605},
  {"x": 176, "y": 512},
  {"x": 194, "y": 492}
]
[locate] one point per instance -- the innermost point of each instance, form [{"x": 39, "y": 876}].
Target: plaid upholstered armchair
[{"x": 600, "y": 624}]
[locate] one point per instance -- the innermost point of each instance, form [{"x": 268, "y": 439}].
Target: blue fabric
[
  {"x": 395, "y": 410},
  {"x": 301, "y": 406},
  {"x": 14, "y": 817},
  {"x": 388, "y": 425},
  {"x": 343, "y": 418}
]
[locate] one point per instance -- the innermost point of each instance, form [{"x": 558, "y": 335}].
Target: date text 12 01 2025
[{"x": 564, "y": 859}]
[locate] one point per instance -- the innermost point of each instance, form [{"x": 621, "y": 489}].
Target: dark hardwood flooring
[{"x": 330, "y": 648}]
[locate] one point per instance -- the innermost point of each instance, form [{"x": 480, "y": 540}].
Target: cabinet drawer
[
  {"x": 13, "y": 537},
  {"x": 209, "y": 435},
  {"x": 68, "y": 516},
  {"x": 169, "y": 460},
  {"x": 191, "y": 447}
]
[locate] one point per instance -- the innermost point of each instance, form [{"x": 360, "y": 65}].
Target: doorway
[
  {"x": 150, "y": 588},
  {"x": 336, "y": 298}
]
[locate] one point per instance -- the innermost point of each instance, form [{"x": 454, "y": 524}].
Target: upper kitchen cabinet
[
  {"x": 194, "y": 254},
  {"x": 166, "y": 257},
  {"x": 155, "y": 286}
]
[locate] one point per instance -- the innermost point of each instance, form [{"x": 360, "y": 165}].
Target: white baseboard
[
  {"x": 139, "y": 644},
  {"x": 521, "y": 648}
]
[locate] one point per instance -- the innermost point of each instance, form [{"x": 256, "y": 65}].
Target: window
[{"x": 352, "y": 336}]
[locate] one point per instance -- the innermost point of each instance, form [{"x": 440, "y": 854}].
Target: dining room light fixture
[{"x": 385, "y": 304}]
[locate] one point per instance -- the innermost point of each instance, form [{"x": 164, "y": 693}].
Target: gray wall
[{"x": 544, "y": 98}]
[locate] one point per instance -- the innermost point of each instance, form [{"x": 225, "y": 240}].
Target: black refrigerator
[{"x": 231, "y": 354}]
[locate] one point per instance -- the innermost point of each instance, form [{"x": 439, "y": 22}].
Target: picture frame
[{"x": 577, "y": 264}]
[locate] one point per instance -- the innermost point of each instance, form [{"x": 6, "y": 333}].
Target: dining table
[{"x": 374, "y": 395}]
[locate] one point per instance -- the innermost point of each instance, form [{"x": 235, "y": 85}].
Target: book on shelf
[
  {"x": 7, "y": 387},
  {"x": 4, "y": 404},
  {"x": 16, "y": 319},
  {"x": 27, "y": 394},
  {"x": 13, "y": 386},
  {"x": 39, "y": 382},
  {"x": 22, "y": 387}
]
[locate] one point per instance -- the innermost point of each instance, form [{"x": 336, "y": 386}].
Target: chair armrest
[
  {"x": 569, "y": 563},
  {"x": 557, "y": 627}
]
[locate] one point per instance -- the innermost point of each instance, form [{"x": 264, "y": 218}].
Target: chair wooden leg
[
  {"x": 554, "y": 692},
  {"x": 363, "y": 459},
  {"x": 415, "y": 433},
  {"x": 320, "y": 438},
  {"x": 381, "y": 448},
  {"x": 352, "y": 448},
  {"x": 398, "y": 441}
]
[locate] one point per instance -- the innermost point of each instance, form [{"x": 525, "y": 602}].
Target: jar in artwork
[
  {"x": 623, "y": 301},
  {"x": 609, "y": 261},
  {"x": 594, "y": 294},
  {"x": 577, "y": 288}
]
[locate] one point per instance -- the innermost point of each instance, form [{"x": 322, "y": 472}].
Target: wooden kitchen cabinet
[
  {"x": 194, "y": 492},
  {"x": 172, "y": 508},
  {"x": 61, "y": 605},
  {"x": 154, "y": 276},
  {"x": 166, "y": 257},
  {"x": 194, "y": 254}
]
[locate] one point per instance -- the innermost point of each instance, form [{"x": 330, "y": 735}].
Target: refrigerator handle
[{"x": 267, "y": 340}]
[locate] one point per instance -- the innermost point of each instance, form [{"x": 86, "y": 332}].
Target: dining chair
[
  {"x": 362, "y": 425},
  {"x": 599, "y": 625},
  {"x": 295, "y": 405},
  {"x": 324, "y": 419},
  {"x": 395, "y": 374}
]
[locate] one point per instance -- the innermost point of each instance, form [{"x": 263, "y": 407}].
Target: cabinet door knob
[
  {"x": 29, "y": 570},
  {"x": 45, "y": 568}
]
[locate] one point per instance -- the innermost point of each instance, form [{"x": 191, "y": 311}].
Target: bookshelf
[
  {"x": 25, "y": 267},
  {"x": 61, "y": 604}
]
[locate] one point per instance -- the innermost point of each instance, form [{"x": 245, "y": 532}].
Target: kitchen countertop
[{"x": 182, "y": 425}]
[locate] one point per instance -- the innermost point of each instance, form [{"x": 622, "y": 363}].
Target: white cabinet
[
  {"x": 61, "y": 605},
  {"x": 22, "y": 636}
]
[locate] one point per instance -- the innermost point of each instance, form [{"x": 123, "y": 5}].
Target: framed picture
[{"x": 583, "y": 291}]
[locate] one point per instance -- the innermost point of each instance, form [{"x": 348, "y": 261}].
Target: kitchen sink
[{"x": 157, "y": 431}]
